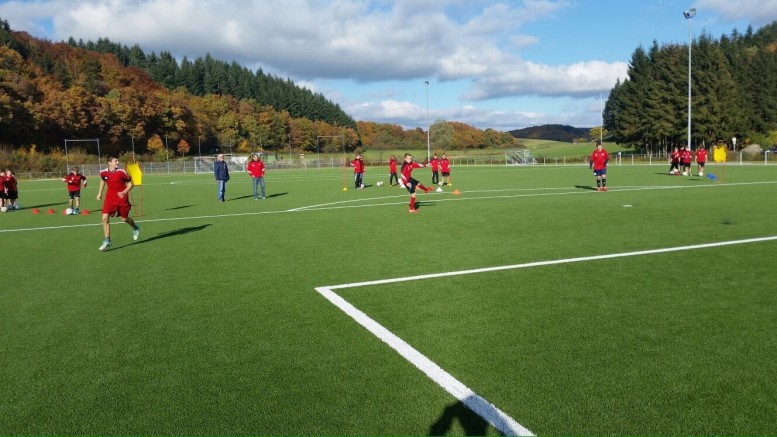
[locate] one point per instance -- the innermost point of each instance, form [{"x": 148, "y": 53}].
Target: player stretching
[
  {"x": 598, "y": 162},
  {"x": 116, "y": 201},
  {"x": 409, "y": 182}
]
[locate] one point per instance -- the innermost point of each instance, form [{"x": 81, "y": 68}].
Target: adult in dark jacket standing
[{"x": 221, "y": 172}]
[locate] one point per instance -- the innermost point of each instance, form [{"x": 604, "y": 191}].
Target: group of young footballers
[
  {"x": 9, "y": 193},
  {"x": 406, "y": 171},
  {"x": 684, "y": 157}
]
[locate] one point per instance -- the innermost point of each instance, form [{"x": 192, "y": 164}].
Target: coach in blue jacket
[{"x": 222, "y": 176}]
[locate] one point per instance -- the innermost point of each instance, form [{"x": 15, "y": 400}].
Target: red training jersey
[
  {"x": 392, "y": 165},
  {"x": 9, "y": 183},
  {"x": 701, "y": 155},
  {"x": 675, "y": 156},
  {"x": 358, "y": 166},
  {"x": 435, "y": 163},
  {"x": 685, "y": 156},
  {"x": 74, "y": 181},
  {"x": 256, "y": 168},
  {"x": 407, "y": 171},
  {"x": 116, "y": 181},
  {"x": 599, "y": 159},
  {"x": 445, "y": 165}
]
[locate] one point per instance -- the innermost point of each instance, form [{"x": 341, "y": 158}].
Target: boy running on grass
[
  {"x": 116, "y": 199},
  {"x": 409, "y": 182}
]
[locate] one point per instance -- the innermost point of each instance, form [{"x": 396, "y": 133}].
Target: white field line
[
  {"x": 493, "y": 415},
  {"x": 436, "y": 198}
]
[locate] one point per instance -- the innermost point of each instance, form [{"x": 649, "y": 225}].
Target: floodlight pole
[
  {"x": 429, "y": 126},
  {"x": 689, "y": 14}
]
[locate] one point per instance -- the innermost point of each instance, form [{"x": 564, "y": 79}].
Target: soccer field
[{"x": 527, "y": 303}]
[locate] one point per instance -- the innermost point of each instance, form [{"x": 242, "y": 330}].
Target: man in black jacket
[{"x": 221, "y": 172}]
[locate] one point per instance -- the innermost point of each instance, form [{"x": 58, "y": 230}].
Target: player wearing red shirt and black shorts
[
  {"x": 445, "y": 168},
  {"x": 11, "y": 191},
  {"x": 116, "y": 202},
  {"x": 674, "y": 163},
  {"x": 73, "y": 181},
  {"x": 701, "y": 159},
  {"x": 598, "y": 162},
  {"x": 685, "y": 160},
  {"x": 409, "y": 182}
]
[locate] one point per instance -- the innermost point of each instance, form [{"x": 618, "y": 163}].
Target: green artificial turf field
[{"x": 553, "y": 303}]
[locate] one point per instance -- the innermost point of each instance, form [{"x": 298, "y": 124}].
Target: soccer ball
[
  {"x": 3, "y": 209},
  {"x": 69, "y": 211},
  {"x": 440, "y": 184},
  {"x": 379, "y": 183},
  {"x": 685, "y": 173},
  {"x": 701, "y": 173}
]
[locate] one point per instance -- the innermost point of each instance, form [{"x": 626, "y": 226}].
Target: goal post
[
  {"x": 519, "y": 157},
  {"x": 204, "y": 164},
  {"x": 71, "y": 143}
]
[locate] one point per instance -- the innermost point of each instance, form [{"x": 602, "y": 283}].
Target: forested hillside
[
  {"x": 552, "y": 132},
  {"x": 734, "y": 92},
  {"x": 50, "y": 92}
]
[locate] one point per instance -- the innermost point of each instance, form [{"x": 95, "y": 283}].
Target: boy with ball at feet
[
  {"x": 409, "y": 182},
  {"x": 116, "y": 202}
]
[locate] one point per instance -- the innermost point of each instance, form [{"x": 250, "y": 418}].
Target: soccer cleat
[
  {"x": 413, "y": 210},
  {"x": 428, "y": 189},
  {"x": 106, "y": 244},
  {"x": 136, "y": 233},
  {"x": 604, "y": 188}
]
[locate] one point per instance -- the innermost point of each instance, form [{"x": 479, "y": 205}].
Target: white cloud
[{"x": 758, "y": 12}]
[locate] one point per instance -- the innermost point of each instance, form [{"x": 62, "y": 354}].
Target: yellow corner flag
[
  {"x": 719, "y": 154},
  {"x": 135, "y": 173}
]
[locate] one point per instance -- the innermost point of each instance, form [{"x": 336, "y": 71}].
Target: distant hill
[{"x": 553, "y": 132}]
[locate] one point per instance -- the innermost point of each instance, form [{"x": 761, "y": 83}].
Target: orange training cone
[
  {"x": 35, "y": 211},
  {"x": 64, "y": 212},
  {"x": 85, "y": 212},
  {"x": 456, "y": 192},
  {"x": 51, "y": 211}
]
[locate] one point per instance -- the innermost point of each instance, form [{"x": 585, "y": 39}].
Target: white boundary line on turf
[{"x": 496, "y": 417}]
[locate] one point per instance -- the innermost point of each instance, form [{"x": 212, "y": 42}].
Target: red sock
[
  {"x": 412, "y": 203},
  {"x": 421, "y": 186}
]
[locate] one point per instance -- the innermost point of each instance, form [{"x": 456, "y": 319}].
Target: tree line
[
  {"x": 149, "y": 103},
  {"x": 734, "y": 93}
]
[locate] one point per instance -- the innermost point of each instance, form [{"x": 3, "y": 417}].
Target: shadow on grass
[
  {"x": 457, "y": 411},
  {"x": 179, "y": 207},
  {"x": 173, "y": 233},
  {"x": 585, "y": 187},
  {"x": 251, "y": 196},
  {"x": 47, "y": 204}
]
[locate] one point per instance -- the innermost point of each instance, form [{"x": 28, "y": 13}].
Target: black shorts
[
  {"x": 411, "y": 186},
  {"x": 446, "y": 173},
  {"x": 74, "y": 194},
  {"x": 701, "y": 164},
  {"x": 12, "y": 195}
]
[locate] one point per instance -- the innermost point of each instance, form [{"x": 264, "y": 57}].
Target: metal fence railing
[{"x": 188, "y": 166}]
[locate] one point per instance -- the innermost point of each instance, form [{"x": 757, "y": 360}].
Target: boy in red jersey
[
  {"x": 409, "y": 182},
  {"x": 435, "y": 163},
  {"x": 11, "y": 192},
  {"x": 598, "y": 162},
  {"x": 674, "y": 162},
  {"x": 393, "y": 170},
  {"x": 701, "y": 159},
  {"x": 116, "y": 199},
  {"x": 2, "y": 189},
  {"x": 73, "y": 181},
  {"x": 445, "y": 168},
  {"x": 358, "y": 171},
  {"x": 685, "y": 160}
]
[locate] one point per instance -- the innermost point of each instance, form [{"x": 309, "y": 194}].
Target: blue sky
[{"x": 491, "y": 64}]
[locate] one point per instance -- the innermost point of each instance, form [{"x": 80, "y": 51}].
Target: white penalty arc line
[{"x": 493, "y": 415}]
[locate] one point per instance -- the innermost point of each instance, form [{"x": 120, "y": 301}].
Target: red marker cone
[
  {"x": 85, "y": 212},
  {"x": 456, "y": 192},
  {"x": 51, "y": 211},
  {"x": 35, "y": 211},
  {"x": 64, "y": 212}
]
